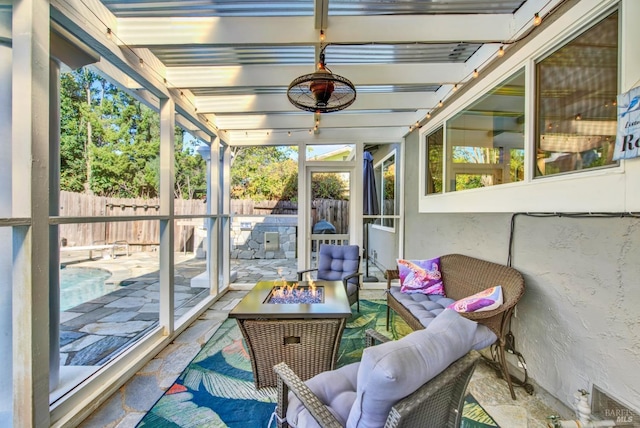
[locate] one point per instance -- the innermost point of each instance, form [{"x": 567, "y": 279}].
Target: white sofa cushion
[
  {"x": 335, "y": 388},
  {"x": 390, "y": 371}
]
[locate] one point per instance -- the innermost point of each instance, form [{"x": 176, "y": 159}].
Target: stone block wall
[{"x": 247, "y": 237}]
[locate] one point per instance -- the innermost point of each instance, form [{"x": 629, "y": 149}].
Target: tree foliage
[
  {"x": 110, "y": 146},
  {"x": 110, "y": 143},
  {"x": 270, "y": 173}
]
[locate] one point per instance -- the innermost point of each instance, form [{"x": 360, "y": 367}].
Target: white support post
[
  {"x": 6, "y": 377},
  {"x": 30, "y": 198},
  {"x": 225, "y": 208},
  {"x": 167, "y": 156},
  {"x": 54, "y": 231},
  {"x": 213, "y": 207},
  {"x": 304, "y": 206}
]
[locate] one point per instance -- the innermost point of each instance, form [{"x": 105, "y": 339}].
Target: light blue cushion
[
  {"x": 390, "y": 371},
  {"x": 335, "y": 388},
  {"x": 426, "y": 309},
  {"x": 337, "y": 261}
]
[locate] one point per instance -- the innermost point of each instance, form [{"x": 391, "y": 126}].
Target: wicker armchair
[
  {"x": 436, "y": 404},
  {"x": 339, "y": 263}
]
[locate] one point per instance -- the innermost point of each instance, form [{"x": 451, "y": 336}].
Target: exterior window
[
  {"x": 485, "y": 142},
  {"x": 385, "y": 173},
  {"x": 434, "y": 161},
  {"x": 331, "y": 153},
  {"x": 576, "y": 93}
]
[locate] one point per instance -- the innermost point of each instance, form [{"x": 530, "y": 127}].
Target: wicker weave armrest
[
  {"x": 391, "y": 274},
  {"x": 287, "y": 377},
  {"x": 440, "y": 401},
  {"x": 372, "y": 336},
  {"x": 300, "y": 273}
]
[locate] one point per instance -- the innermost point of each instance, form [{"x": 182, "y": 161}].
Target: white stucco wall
[{"x": 578, "y": 323}]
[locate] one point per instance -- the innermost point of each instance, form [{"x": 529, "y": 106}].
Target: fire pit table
[{"x": 306, "y": 336}]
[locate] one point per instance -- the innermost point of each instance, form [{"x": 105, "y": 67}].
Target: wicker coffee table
[{"x": 306, "y": 336}]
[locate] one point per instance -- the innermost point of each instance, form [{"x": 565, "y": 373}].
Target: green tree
[
  {"x": 191, "y": 178},
  {"x": 262, "y": 173},
  {"x": 110, "y": 143},
  {"x": 270, "y": 173},
  {"x": 329, "y": 186}
]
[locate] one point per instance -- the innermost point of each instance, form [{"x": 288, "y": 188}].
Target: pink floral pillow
[
  {"x": 486, "y": 300},
  {"x": 420, "y": 276}
]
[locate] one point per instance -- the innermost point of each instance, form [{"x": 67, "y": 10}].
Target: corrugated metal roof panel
[
  {"x": 158, "y": 8},
  {"x": 410, "y": 7},
  {"x": 181, "y": 8},
  {"x": 400, "y": 53},
  {"x": 234, "y": 55},
  {"x": 335, "y": 54}
]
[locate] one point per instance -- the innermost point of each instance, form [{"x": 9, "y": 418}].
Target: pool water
[{"x": 80, "y": 285}]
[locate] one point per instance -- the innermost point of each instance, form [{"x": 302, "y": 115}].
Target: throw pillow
[
  {"x": 420, "y": 276},
  {"x": 486, "y": 300}
]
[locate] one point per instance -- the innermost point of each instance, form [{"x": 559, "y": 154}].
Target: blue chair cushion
[
  {"x": 337, "y": 261},
  {"x": 426, "y": 307}
]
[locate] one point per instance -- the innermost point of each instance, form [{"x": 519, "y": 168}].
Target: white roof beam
[
  {"x": 341, "y": 29},
  {"x": 280, "y": 103},
  {"x": 321, "y": 13},
  {"x": 334, "y": 135},
  {"x": 305, "y": 121},
  {"x": 282, "y": 75}
]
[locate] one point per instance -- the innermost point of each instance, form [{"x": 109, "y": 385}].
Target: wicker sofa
[{"x": 463, "y": 276}]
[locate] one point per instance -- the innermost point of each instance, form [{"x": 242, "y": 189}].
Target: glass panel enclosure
[
  {"x": 329, "y": 211},
  {"x": 109, "y": 148},
  {"x": 264, "y": 208},
  {"x": 191, "y": 278},
  {"x": 109, "y": 293}
]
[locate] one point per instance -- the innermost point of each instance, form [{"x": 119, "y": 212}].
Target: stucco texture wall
[{"x": 578, "y": 323}]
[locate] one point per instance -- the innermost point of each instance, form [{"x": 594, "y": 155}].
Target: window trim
[{"x": 393, "y": 152}]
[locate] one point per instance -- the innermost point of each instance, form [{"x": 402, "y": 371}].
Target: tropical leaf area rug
[{"x": 217, "y": 390}]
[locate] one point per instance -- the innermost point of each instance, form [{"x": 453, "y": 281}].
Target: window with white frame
[
  {"x": 386, "y": 183},
  {"x": 576, "y": 90},
  {"x": 485, "y": 141}
]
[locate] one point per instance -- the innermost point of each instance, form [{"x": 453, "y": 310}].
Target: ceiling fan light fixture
[{"x": 321, "y": 91}]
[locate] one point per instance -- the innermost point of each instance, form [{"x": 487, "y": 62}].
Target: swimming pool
[{"x": 80, "y": 285}]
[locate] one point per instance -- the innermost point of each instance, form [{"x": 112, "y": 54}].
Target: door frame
[{"x": 305, "y": 168}]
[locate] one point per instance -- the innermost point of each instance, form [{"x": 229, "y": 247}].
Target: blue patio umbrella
[{"x": 369, "y": 206}]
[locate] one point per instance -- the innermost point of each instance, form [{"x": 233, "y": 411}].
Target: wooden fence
[
  {"x": 144, "y": 235},
  {"x": 334, "y": 211}
]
